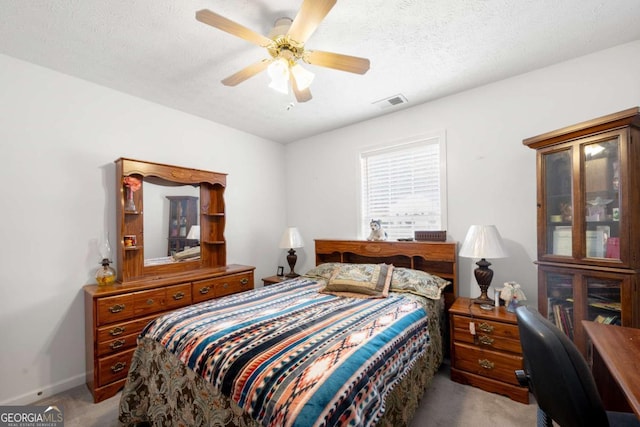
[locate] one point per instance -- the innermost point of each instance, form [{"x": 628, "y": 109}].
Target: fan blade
[
  {"x": 227, "y": 25},
  {"x": 246, "y": 73},
  {"x": 311, "y": 13},
  {"x": 303, "y": 95},
  {"x": 352, "y": 64}
]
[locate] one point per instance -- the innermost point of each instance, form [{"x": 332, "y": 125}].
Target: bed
[{"x": 364, "y": 359}]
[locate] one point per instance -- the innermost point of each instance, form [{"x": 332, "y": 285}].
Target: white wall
[
  {"x": 491, "y": 175},
  {"x": 59, "y": 137}
]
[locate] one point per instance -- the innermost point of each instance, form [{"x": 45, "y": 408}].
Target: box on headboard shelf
[{"x": 431, "y": 236}]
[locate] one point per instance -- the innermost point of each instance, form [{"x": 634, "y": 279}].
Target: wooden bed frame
[{"x": 438, "y": 258}]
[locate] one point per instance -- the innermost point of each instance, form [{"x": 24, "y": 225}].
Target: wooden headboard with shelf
[{"x": 438, "y": 258}]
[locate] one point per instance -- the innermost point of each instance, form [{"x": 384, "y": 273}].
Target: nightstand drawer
[
  {"x": 491, "y": 364},
  {"x": 489, "y": 335},
  {"x": 487, "y": 327}
]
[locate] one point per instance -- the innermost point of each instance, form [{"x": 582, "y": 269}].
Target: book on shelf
[
  {"x": 562, "y": 316},
  {"x": 596, "y": 240},
  {"x": 562, "y": 240},
  {"x": 607, "y": 320}
]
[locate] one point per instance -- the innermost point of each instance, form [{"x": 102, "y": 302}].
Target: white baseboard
[{"x": 46, "y": 391}]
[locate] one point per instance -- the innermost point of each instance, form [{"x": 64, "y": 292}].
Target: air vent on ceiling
[{"x": 391, "y": 101}]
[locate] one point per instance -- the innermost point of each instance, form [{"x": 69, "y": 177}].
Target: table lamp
[
  {"x": 291, "y": 239},
  {"x": 194, "y": 233},
  {"x": 483, "y": 241}
]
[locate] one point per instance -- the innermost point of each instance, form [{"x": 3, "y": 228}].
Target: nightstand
[
  {"x": 273, "y": 279},
  {"x": 488, "y": 358}
]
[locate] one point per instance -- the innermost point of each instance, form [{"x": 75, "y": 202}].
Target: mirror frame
[{"x": 130, "y": 266}]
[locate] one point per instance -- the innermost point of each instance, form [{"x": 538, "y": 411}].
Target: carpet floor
[{"x": 445, "y": 404}]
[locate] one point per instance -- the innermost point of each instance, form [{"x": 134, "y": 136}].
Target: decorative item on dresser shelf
[
  {"x": 132, "y": 184},
  {"x": 377, "y": 232},
  {"x": 292, "y": 239},
  {"x": 485, "y": 349},
  {"x": 483, "y": 241}
]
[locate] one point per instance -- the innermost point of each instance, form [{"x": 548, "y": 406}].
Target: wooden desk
[{"x": 618, "y": 348}]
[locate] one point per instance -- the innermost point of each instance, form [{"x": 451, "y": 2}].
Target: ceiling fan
[{"x": 286, "y": 46}]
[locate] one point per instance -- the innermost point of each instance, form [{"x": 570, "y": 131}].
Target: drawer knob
[
  {"x": 485, "y": 327},
  {"x": 116, "y": 331},
  {"x": 150, "y": 301},
  {"x": 485, "y": 340},
  {"x": 225, "y": 285},
  {"x": 486, "y": 364},
  {"x": 178, "y": 296},
  {"x": 244, "y": 281},
  {"x": 117, "y": 344},
  {"x": 118, "y": 367},
  {"x": 116, "y": 308},
  {"x": 205, "y": 290}
]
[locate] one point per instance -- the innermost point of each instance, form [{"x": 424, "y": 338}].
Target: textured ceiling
[{"x": 422, "y": 49}]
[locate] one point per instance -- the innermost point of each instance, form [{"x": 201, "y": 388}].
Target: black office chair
[{"x": 560, "y": 378}]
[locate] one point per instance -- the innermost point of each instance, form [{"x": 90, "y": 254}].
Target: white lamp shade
[
  {"x": 291, "y": 238},
  {"x": 194, "y": 233},
  {"x": 483, "y": 241},
  {"x": 279, "y": 72},
  {"x": 302, "y": 76}
]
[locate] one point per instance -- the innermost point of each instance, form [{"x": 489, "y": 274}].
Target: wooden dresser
[
  {"x": 116, "y": 314},
  {"x": 485, "y": 349}
]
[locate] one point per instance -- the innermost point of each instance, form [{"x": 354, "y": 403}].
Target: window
[{"x": 404, "y": 186}]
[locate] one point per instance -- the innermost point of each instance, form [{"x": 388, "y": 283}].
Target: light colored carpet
[{"x": 445, "y": 404}]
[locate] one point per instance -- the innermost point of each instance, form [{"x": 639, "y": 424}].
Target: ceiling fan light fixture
[
  {"x": 279, "y": 72},
  {"x": 303, "y": 76}
]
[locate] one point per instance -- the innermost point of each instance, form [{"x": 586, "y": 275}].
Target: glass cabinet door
[
  {"x": 559, "y": 294},
  {"x": 558, "y": 202},
  {"x": 604, "y": 300},
  {"x": 602, "y": 198}
]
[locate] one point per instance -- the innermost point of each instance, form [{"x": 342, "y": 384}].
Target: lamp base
[
  {"x": 483, "y": 300},
  {"x": 483, "y": 276},
  {"x": 291, "y": 259}
]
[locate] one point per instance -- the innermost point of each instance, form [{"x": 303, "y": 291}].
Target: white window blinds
[{"x": 404, "y": 187}]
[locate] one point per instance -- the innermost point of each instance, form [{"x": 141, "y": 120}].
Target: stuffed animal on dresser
[{"x": 377, "y": 232}]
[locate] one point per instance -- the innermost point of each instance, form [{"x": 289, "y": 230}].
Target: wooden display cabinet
[
  {"x": 588, "y": 194},
  {"x": 183, "y": 214}
]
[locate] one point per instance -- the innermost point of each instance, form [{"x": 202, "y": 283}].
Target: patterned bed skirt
[{"x": 162, "y": 391}]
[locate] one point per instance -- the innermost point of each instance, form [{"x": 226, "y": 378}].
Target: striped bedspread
[{"x": 289, "y": 355}]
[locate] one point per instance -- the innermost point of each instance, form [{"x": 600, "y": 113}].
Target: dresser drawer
[
  {"x": 114, "y": 368},
  {"x": 118, "y": 344},
  {"x": 488, "y": 363},
  {"x": 490, "y": 335},
  {"x": 203, "y": 290},
  {"x": 146, "y": 302},
  {"x": 234, "y": 284},
  {"x": 113, "y": 309},
  {"x": 107, "y": 333},
  {"x": 221, "y": 286},
  {"x": 178, "y": 296}
]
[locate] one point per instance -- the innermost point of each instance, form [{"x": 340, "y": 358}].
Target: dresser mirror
[
  {"x": 160, "y": 226},
  {"x": 151, "y": 243}
]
